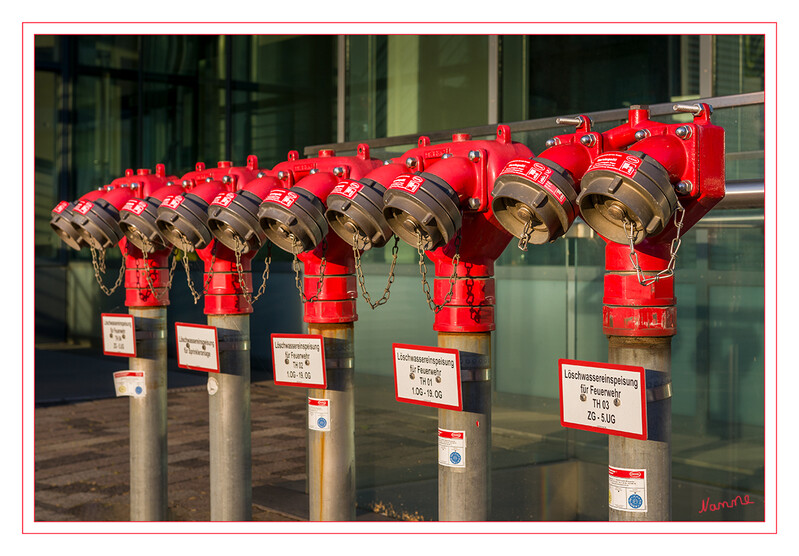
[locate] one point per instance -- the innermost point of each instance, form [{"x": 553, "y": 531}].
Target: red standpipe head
[
  {"x": 293, "y": 218},
  {"x": 649, "y": 196},
  {"x": 633, "y": 194},
  {"x": 146, "y": 276},
  {"x": 445, "y": 209},
  {"x": 233, "y": 215},
  {"x": 61, "y": 219},
  {"x": 536, "y": 199},
  {"x": 183, "y": 219},
  {"x": 222, "y": 280},
  {"x": 355, "y": 207},
  {"x": 97, "y": 221},
  {"x": 138, "y": 216}
]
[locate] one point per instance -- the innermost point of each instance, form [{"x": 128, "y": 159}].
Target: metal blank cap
[
  {"x": 62, "y": 226},
  {"x": 609, "y": 200},
  {"x": 237, "y": 225},
  {"x": 185, "y": 226},
  {"x": 297, "y": 228},
  {"x": 429, "y": 214},
  {"x": 358, "y": 218},
  {"x": 141, "y": 229},
  {"x": 520, "y": 200},
  {"x": 99, "y": 227}
]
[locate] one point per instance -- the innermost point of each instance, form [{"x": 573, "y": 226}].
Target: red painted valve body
[
  {"x": 633, "y": 309},
  {"x": 221, "y": 279},
  {"x": 337, "y": 294},
  {"x": 482, "y": 238}
]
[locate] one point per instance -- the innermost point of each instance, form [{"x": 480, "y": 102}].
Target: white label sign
[
  {"x": 130, "y": 383},
  {"x": 602, "y": 397},
  {"x": 427, "y": 376},
  {"x": 119, "y": 335},
  {"x": 627, "y": 489},
  {"x": 197, "y": 347},
  {"x": 452, "y": 448},
  {"x": 319, "y": 414},
  {"x": 299, "y": 360}
]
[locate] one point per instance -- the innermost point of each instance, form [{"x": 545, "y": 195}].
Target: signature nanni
[{"x": 708, "y": 506}]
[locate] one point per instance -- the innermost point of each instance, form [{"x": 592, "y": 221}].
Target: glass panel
[
  {"x": 109, "y": 51},
  {"x": 556, "y": 74},
  {"x": 171, "y": 55},
  {"x": 288, "y": 100},
  {"x": 48, "y": 48},
  {"x": 738, "y": 64},
  {"x": 48, "y": 140},
  {"x": 367, "y": 64},
  {"x": 104, "y": 133},
  {"x": 170, "y": 127},
  {"x": 407, "y": 83}
]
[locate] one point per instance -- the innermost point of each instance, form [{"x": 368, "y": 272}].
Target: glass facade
[{"x": 104, "y": 104}]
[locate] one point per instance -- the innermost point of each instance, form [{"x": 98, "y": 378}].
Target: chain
[
  {"x": 632, "y": 235},
  {"x": 207, "y": 283},
  {"x": 423, "y": 271},
  {"x": 362, "y": 279},
  {"x": 146, "y": 271},
  {"x": 98, "y": 262},
  {"x": 527, "y": 231},
  {"x": 148, "y": 247},
  {"x": 185, "y": 260},
  {"x": 295, "y": 266},
  {"x": 240, "y": 270}
]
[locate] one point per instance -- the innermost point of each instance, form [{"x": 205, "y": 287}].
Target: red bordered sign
[
  {"x": 299, "y": 360},
  {"x": 428, "y": 376},
  {"x": 603, "y": 397},
  {"x": 119, "y": 334},
  {"x": 197, "y": 347}
]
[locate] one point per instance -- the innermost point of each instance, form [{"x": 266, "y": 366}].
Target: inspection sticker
[
  {"x": 135, "y": 206},
  {"x": 318, "y": 414},
  {"x": 119, "y": 335},
  {"x": 427, "y": 376},
  {"x": 602, "y": 397},
  {"x": 224, "y": 199},
  {"x": 408, "y": 183},
  {"x": 282, "y": 197},
  {"x": 197, "y": 347},
  {"x": 452, "y": 448},
  {"x": 347, "y": 188},
  {"x": 299, "y": 360},
  {"x": 620, "y": 163},
  {"x": 130, "y": 383},
  {"x": 172, "y": 201},
  {"x": 627, "y": 489}
]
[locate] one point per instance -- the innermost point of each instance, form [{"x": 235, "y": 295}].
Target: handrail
[{"x": 662, "y": 109}]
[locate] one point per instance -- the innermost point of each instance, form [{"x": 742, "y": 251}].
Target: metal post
[
  {"x": 465, "y": 494},
  {"x": 331, "y": 455},
  {"x": 229, "y": 421},
  {"x": 148, "y": 447},
  {"x": 653, "y": 454}
]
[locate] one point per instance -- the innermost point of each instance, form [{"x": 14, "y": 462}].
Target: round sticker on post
[
  {"x": 319, "y": 414},
  {"x": 452, "y": 448}
]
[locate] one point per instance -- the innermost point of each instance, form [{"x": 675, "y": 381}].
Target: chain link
[
  {"x": 98, "y": 262},
  {"x": 185, "y": 260},
  {"x": 147, "y": 247},
  {"x": 295, "y": 266},
  {"x": 527, "y": 231},
  {"x": 362, "y": 279},
  {"x": 423, "y": 271},
  {"x": 240, "y": 270},
  {"x": 632, "y": 235}
]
